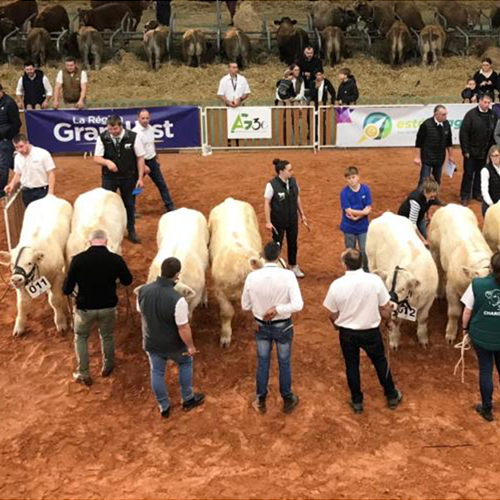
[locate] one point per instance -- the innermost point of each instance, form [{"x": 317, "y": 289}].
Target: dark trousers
[
  {"x": 427, "y": 171},
  {"x": 292, "y": 234},
  {"x": 157, "y": 178},
  {"x": 351, "y": 341},
  {"x": 126, "y": 186},
  {"x": 30, "y": 195},
  {"x": 6, "y": 163},
  {"x": 163, "y": 12},
  {"x": 471, "y": 179},
  {"x": 485, "y": 360},
  {"x": 484, "y": 208}
]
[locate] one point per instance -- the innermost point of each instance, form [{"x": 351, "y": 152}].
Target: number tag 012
[
  {"x": 405, "y": 311},
  {"x": 38, "y": 287}
]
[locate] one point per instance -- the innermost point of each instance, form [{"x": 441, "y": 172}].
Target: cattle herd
[{"x": 53, "y": 232}]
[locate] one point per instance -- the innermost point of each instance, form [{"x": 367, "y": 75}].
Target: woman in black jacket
[
  {"x": 486, "y": 78},
  {"x": 320, "y": 89},
  {"x": 348, "y": 90}
]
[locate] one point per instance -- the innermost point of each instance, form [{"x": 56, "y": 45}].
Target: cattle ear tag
[{"x": 38, "y": 287}]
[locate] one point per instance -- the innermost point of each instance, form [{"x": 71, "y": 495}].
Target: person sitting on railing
[
  {"x": 348, "y": 90},
  {"x": 297, "y": 92},
  {"x": 469, "y": 93},
  {"x": 321, "y": 88},
  {"x": 486, "y": 79},
  {"x": 309, "y": 65}
]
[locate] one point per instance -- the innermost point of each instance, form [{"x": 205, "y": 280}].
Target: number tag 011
[
  {"x": 405, "y": 311},
  {"x": 38, "y": 287}
]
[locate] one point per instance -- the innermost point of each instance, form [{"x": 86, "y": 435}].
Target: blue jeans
[
  {"x": 30, "y": 195},
  {"x": 281, "y": 333},
  {"x": 485, "y": 360},
  {"x": 158, "y": 363},
  {"x": 422, "y": 227},
  {"x": 427, "y": 171},
  {"x": 157, "y": 178},
  {"x": 126, "y": 186},
  {"x": 350, "y": 240},
  {"x": 6, "y": 163}
]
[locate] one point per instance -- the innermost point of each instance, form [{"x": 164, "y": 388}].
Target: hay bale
[{"x": 247, "y": 19}]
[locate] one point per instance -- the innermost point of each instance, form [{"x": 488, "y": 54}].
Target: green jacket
[{"x": 484, "y": 328}]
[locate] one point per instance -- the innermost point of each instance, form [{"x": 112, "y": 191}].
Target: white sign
[
  {"x": 405, "y": 311},
  {"x": 38, "y": 287},
  {"x": 370, "y": 126},
  {"x": 249, "y": 123}
]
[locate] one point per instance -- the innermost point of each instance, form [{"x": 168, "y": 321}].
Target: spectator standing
[
  {"x": 470, "y": 93},
  {"x": 10, "y": 124},
  {"x": 273, "y": 295},
  {"x": 480, "y": 321},
  {"x": 282, "y": 206},
  {"x": 434, "y": 140},
  {"x": 417, "y": 204},
  {"x": 309, "y": 65},
  {"x": 34, "y": 169},
  {"x": 490, "y": 179},
  {"x": 476, "y": 138},
  {"x": 71, "y": 82},
  {"x": 121, "y": 153},
  {"x": 321, "y": 88},
  {"x": 167, "y": 336},
  {"x": 146, "y": 133},
  {"x": 33, "y": 88},
  {"x": 356, "y": 204},
  {"x": 95, "y": 272},
  {"x": 486, "y": 79},
  {"x": 348, "y": 90},
  {"x": 163, "y": 12},
  {"x": 285, "y": 90},
  {"x": 233, "y": 88},
  {"x": 357, "y": 301}
]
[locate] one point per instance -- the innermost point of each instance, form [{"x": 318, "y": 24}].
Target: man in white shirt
[
  {"x": 357, "y": 302},
  {"x": 72, "y": 83},
  {"x": 233, "y": 88},
  {"x": 273, "y": 295},
  {"x": 146, "y": 133},
  {"x": 34, "y": 169},
  {"x": 33, "y": 88}
]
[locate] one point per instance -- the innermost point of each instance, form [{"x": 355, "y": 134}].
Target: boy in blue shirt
[{"x": 356, "y": 204}]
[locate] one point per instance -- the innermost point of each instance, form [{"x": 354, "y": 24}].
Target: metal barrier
[
  {"x": 327, "y": 127},
  {"x": 292, "y": 127},
  {"x": 13, "y": 212}
]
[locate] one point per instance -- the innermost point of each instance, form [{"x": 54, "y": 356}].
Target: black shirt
[
  {"x": 95, "y": 271},
  {"x": 488, "y": 88},
  {"x": 10, "y": 122},
  {"x": 311, "y": 66},
  {"x": 433, "y": 139}
]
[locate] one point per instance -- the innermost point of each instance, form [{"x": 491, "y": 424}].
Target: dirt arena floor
[{"x": 61, "y": 440}]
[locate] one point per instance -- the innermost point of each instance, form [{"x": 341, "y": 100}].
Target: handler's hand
[
  {"x": 111, "y": 166},
  {"x": 270, "y": 314},
  {"x": 192, "y": 350},
  {"x": 417, "y": 160},
  {"x": 139, "y": 184},
  {"x": 270, "y": 227}
]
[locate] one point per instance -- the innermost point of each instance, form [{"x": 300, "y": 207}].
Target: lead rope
[{"x": 465, "y": 345}]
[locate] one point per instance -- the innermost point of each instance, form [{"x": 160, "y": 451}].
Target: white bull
[
  {"x": 183, "y": 233},
  {"x": 97, "y": 209},
  {"x": 40, "y": 252},
  {"x": 461, "y": 254},
  {"x": 234, "y": 241},
  {"x": 491, "y": 229},
  {"x": 392, "y": 242}
]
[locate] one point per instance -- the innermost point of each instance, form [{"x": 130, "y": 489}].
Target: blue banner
[{"x": 76, "y": 131}]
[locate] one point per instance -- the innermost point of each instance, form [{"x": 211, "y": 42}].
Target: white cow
[
  {"x": 491, "y": 228},
  {"x": 461, "y": 253},
  {"x": 393, "y": 242},
  {"x": 183, "y": 233},
  {"x": 40, "y": 252},
  {"x": 234, "y": 242},
  {"x": 97, "y": 209}
]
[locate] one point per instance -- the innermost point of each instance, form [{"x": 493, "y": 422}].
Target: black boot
[{"x": 133, "y": 237}]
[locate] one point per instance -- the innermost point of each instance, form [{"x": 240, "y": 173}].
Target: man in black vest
[
  {"x": 33, "y": 88},
  {"x": 167, "y": 335},
  {"x": 10, "y": 124},
  {"x": 120, "y": 153},
  {"x": 281, "y": 208},
  {"x": 476, "y": 138},
  {"x": 433, "y": 141}
]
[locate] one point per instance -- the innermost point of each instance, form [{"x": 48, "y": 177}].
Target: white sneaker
[{"x": 296, "y": 270}]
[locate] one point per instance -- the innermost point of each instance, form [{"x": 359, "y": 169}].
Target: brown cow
[
  {"x": 291, "y": 40},
  {"x": 332, "y": 44},
  {"x": 236, "y": 45},
  {"x": 408, "y": 12},
  {"x": 108, "y": 16},
  {"x": 19, "y": 11},
  {"x": 494, "y": 54},
  {"x": 378, "y": 16},
  {"x": 457, "y": 15},
  {"x": 399, "y": 43},
  {"x": 91, "y": 46},
  {"x": 136, "y": 6},
  {"x": 38, "y": 45},
  {"x": 53, "y": 18},
  {"x": 194, "y": 47},
  {"x": 155, "y": 43},
  {"x": 326, "y": 14},
  {"x": 432, "y": 41}
]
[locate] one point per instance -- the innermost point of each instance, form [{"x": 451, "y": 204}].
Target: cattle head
[
  {"x": 348, "y": 17},
  {"x": 364, "y": 10},
  {"x": 494, "y": 298},
  {"x": 473, "y": 17},
  {"x": 286, "y": 23},
  {"x": 83, "y": 16},
  {"x": 23, "y": 262},
  {"x": 151, "y": 25},
  {"x": 476, "y": 271},
  {"x": 6, "y": 26},
  {"x": 404, "y": 285}
]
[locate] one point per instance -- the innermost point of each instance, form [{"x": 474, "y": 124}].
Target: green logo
[
  {"x": 243, "y": 122},
  {"x": 376, "y": 126}
]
